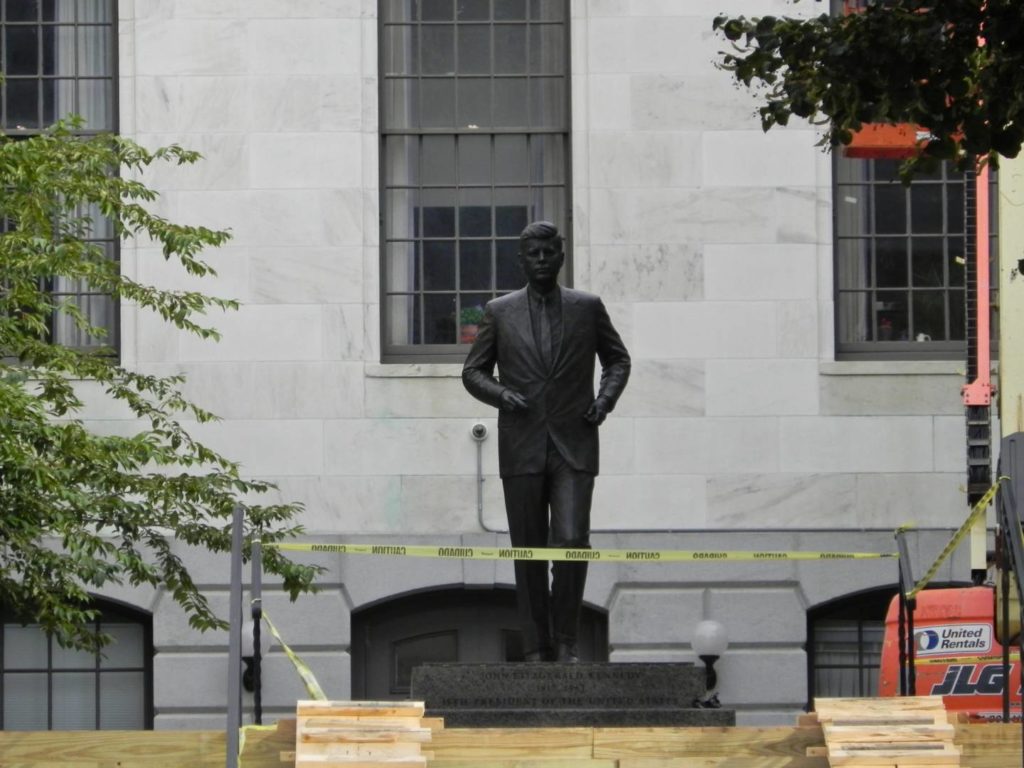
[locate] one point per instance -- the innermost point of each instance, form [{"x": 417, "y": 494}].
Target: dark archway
[{"x": 469, "y": 625}]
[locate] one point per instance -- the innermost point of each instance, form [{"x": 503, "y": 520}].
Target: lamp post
[{"x": 709, "y": 642}]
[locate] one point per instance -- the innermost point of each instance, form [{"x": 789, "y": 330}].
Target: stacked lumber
[
  {"x": 888, "y": 732},
  {"x": 360, "y": 734}
]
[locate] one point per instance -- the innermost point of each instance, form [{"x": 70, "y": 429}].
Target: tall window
[
  {"x": 899, "y": 260},
  {"x": 59, "y": 59},
  {"x": 475, "y": 144},
  {"x": 844, "y": 644},
  {"x": 46, "y": 687}
]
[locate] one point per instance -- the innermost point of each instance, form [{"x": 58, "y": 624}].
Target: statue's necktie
[{"x": 545, "y": 333}]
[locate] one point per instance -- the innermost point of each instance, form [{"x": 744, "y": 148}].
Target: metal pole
[
  {"x": 234, "y": 721},
  {"x": 256, "y": 592}
]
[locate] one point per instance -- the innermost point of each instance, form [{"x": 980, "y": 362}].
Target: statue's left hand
[{"x": 597, "y": 412}]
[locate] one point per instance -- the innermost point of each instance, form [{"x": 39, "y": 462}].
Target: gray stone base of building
[{"x": 565, "y": 695}]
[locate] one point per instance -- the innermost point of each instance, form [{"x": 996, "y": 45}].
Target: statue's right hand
[{"x": 512, "y": 401}]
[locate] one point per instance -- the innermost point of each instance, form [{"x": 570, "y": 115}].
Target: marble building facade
[{"x": 712, "y": 246}]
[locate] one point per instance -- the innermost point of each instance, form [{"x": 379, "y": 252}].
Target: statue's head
[{"x": 541, "y": 254}]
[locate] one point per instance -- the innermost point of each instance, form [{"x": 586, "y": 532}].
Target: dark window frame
[
  {"x": 863, "y": 608},
  {"x": 111, "y": 242},
  {"x": 456, "y": 352},
  {"x": 111, "y": 612}
]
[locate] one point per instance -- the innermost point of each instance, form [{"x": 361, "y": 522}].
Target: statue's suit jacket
[{"x": 557, "y": 397}]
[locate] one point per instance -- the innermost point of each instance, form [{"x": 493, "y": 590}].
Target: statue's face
[{"x": 541, "y": 260}]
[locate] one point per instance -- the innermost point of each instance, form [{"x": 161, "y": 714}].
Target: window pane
[
  {"x": 72, "y": 658},
  {"x": 891, "y": 262},
  {"x": 94, "y": 11},
  {"x": 95, "y": 103},
  {"x": 928, "y": 262},
  {"x": 547, "y": 102},
  {"x": 926, "y": 208},
  {"x": 403, "y": 319},
  {"x": 25, "y": 702},
  {"x": 439, "y": 265},
  {"x": 438, "y": 103},
  {"x": 401, "y": 221},
  {"x": 401, "y": 161},
  {"x": 547, "y": 159},
  {"x": 957, "y": 316},
  {"x": 439, "y": 318},
  {"x": 510, "y": 49},
  {"x": 59, "y": 56},
  {"x": 475, "y": 212},
  {"x": 94, "y": 51},
  {"x": 474, "y": 49},
  {"x": 400, "y": 103},
  {"x": 439, "y": 213},
  {"x": 508, "y": 274},
  {"x": 509, "y": 10},
  {"x": 438, "y": 160},
  {"x": 21, "y": 50},
  {"x": 399, "y": 10},
  {"x": 21, "y": 10},
  {"x": 24, "y": 647},
  {"x": 547, "y": 52},
  {"x": 437, "y": 49},
  {"x": 402, "y": 268},
  {"x": 23, "y": 104},
  {"x": 510, "y": 211},
  {"x": 475, "y": 159},
  {"x": 510, "y": 102},
  {"x": 853, "y": 265},
  {"x": 473, "y": 10},
  {"x": 510, "y": 160},
  {"x": 74, "y": 701},
  {"x": 474, "y": 264},
  {"x": 401, "y": 50},
  {"x": 122, "y": 700},
  {"x": 955, "y": 207},
  {"x": 929, "y": 315},
  {"x": 127, "y": 649},
  {"x": 546, "y": 10},
  {"x": 890, "y": 209},
  {"x": 891, "y": 307},
  {"x": 474, "y": 103},
  {"x": 436, "y": 10},
  {"x": 855, "y": 322},
  {"x": 58, "y": 99}
]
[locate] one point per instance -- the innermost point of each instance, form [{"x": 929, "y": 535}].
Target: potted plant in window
[{"x": 469, "y": 323}]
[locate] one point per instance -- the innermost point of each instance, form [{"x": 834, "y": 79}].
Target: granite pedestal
[{"x": 564, "y": 695}]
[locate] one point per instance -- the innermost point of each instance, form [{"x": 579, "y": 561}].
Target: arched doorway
[{"x": 469, "y": 625}]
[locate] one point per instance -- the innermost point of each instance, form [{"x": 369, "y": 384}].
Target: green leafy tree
[
  {"x": 895, "y": 61},
  {"x": 80, "y": 510}
]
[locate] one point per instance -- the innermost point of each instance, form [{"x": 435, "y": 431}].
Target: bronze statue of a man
[{"x": 544, "y": 339}]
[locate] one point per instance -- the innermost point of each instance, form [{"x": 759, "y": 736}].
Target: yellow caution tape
[
  {"x": 1014, "y": 656},
  {"x": 242, "y": 733},
  {"x": 976, "y": 512},
  {"x": 550, "y": 553},
  {"x": 308, "y": 678}
]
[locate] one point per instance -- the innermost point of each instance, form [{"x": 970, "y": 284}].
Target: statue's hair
[{"x": 540, "y": 230}]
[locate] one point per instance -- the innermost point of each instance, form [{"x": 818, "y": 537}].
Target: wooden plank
[
  {"x": 344, "y": 763},
  {"x": 433, "y": 723},
  {"x": 364, "y": 734},
  {"x": 705, "y": 742},
  {"x": 512, "y": 743},
  {"x": 582, "y": 762},
  {"x": 360, "y": 708},
  {"x": 778, "y": 761},
  {"x": 899, "y": 732},
  {"x": 838, "y": 757},
  {"x": 174, "y": 748}
]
